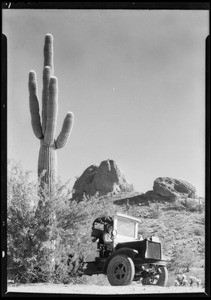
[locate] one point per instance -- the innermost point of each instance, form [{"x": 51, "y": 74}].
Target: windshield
[{"x": 126, "y": 227}]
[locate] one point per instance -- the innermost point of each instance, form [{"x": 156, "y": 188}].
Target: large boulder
[
  {"x": 173, "y": 188},
  {"x": 83, "y": 184},
  {"x": 107, "y": 178}
]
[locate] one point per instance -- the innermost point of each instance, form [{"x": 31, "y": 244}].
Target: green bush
[
  {"x": 22, "y": 250},
  {"x": 45, "y": 231}
]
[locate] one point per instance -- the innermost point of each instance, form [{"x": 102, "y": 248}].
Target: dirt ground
[{"x": 92, "y": 289}]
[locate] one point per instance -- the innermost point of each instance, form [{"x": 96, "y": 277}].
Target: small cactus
[
  {"x": 179, "y": 278},
  {"x": 184, "y": 282},
  {"x": 193, "y": 281},
  {"x": 176, "y": 283},
  {"x": 198, "y": 282},
  {"x": 44, "y": 128}
]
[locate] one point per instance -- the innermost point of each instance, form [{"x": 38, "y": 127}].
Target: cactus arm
[
  {"x": 48, "y": 52},
  {"x": 65, "y": 132},
  {"x": 52, "y": 111},
  {"x": 45, "y": 95},
  {"x": 34, "y": 106}
]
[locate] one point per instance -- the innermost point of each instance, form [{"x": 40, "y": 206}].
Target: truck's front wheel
[{"x": 121, "y": 270}]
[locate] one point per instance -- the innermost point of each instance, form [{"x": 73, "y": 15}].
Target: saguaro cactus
[{"x": 45, "y": 131}]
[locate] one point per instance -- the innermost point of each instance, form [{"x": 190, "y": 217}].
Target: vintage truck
[{"x": 130, "y": 257}]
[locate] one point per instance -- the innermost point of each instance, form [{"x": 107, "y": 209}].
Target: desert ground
[{"x": 134, "y": 288}]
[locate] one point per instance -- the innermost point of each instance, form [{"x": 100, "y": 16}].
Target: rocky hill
[{"x": 102, "y": 180}]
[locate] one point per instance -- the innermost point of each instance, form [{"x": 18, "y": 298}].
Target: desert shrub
[
  {"x": 128, "y": 188},
  {"x": 21, "y": 250},
  {"x": 130, "y": 209},
  {"x": 74, "y": 231},
  {"x": 199, "y": 231},
  {"x": 201, "y": 248},
  {"x": 145, "y": 230},
  {"x": 154, "y": 210},
  {"x": 47, "y": 235},
  {"x": 182, "y": 260},
  {"x": 176, "y": 205},
  {"x": 193, "y": 205},
  {"x": 200, "y": 208},
  {"x": 202, "y": 220},
  {"x": 21, "y": 192}
]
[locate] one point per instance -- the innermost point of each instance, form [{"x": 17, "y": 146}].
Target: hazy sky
[{"x": 134, "y": 79}]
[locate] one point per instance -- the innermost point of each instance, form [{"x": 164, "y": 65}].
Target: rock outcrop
[
  {"x": 165, "y": 189},
  {"x": 107, "y": 178},
  {"x": 173, "y": 188}
]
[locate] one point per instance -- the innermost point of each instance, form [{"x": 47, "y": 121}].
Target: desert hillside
[{"x": 179, "y": 225}]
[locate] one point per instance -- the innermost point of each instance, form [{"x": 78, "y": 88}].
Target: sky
[{"x": 134, "y": 79}]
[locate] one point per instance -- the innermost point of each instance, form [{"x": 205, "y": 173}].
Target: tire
[
  {"x": 161, "y": 279},
  {"x": 121, "y": 270}
]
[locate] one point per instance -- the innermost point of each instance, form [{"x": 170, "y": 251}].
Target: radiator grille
[{"x": 153, "y": 250}]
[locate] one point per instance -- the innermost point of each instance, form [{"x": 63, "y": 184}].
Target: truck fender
[
  {"x": 159, "y": 263},
  {"x": 126, "y": 251}
]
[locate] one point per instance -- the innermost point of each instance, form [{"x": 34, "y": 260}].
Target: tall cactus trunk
[
  {"x": 47, "y": 162},
  {"x": 45, "y": 129}
]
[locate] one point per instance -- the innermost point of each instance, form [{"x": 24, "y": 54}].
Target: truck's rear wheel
[
  {"x": 159, "y": 278},
  {"x": 121, "y": 270}
]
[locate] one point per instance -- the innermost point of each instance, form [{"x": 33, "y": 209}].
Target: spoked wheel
[
  {"x": 158, "y": 275},
  {"x": 120, "y": 270}
]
